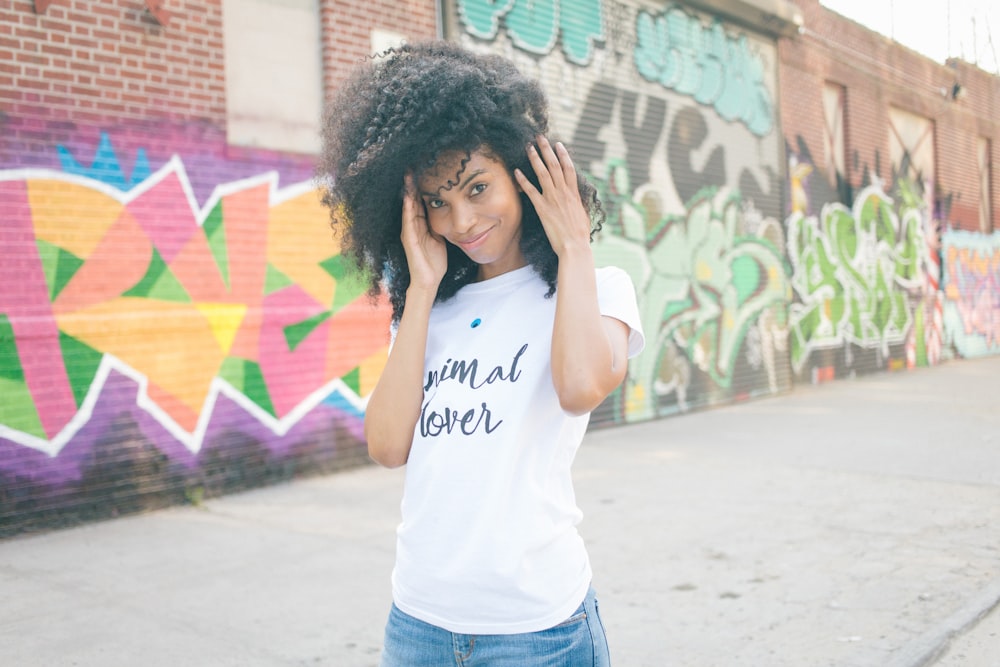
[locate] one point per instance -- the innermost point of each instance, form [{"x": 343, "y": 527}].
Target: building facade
[
  {"x": 894, "y": 202},
  {"x": 796, "y": 199}
]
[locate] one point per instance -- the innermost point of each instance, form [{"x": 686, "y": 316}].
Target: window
[
  {"x": 274, "y": 74},
  {"x": 833, "y": 132},
  {"x": 384, "y": 39},
  {"x": 911, "y": 150}
]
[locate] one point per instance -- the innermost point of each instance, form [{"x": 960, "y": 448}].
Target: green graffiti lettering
[
  {"x": 855, "y": 273},
  {"x": 708, "y": 282}
]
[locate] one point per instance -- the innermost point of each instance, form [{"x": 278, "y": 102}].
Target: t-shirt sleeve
[{"x": 616, "y": 298}]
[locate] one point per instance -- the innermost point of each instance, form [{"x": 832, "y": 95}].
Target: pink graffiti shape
[
  {"x": 24, "y": 297},
  {"x": 165, "y": 215},
  {"x": 291, "y": 375}
]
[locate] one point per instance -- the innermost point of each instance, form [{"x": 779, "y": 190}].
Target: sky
[{"x": 939, "y": 29}]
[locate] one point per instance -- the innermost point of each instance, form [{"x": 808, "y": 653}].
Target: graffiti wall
[
  {"x": 672, "y": 114},
  {"x": 972, "y": 292},
  {"x": 172, "y": 324},
  {"x": 865, "y": 276},
  {"x": 176, "y": 320}
]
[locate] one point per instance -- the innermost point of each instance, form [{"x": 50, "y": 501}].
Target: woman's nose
[{"x": 465, "y": 219}]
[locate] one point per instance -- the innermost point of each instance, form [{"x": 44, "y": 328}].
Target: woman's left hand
[{"x": 559, "y": 206}]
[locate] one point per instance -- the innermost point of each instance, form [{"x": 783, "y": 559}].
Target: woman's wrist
[
  {"x": 575, "y": 250},
  {"x": 421, "y": 295}
]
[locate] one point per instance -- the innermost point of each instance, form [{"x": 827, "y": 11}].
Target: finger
[
  {"x": 414, "y": 217},
  {"x": 412, "y": 204},
  {"x": 541, "y": 170},
  {"x": 524, "y": 183},
  {"x": 407, "y": 193},
  {"x": 409, "y": 187},
  {"x": 566, "y": 162},
  {"x": 551, "y": 159},
  {"x": 409, "y": 212},
  {"x": 529, "y": 188}
]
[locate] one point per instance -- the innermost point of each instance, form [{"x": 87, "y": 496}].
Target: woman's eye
[
  {"x": 478, "y": 187},
  {"x": 434, "y": 203}
]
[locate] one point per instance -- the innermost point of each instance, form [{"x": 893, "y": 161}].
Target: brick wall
[
  {"x": 175, "y": 318},
  {"x": 848, "y": 315},
  {"x": 346, "y": 27},
  {"x": 91, "y": 61},
  {"x": 976, "y": 114},
  {"x": 878, "y": 73}
]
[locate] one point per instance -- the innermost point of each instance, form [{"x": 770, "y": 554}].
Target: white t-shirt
[{"x": 488, "y": 541}]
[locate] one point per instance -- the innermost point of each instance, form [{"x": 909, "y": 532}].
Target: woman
[{"x": 446, "y": 191}]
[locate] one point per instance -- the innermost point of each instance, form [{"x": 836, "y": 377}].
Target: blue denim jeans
[{"x": 579, "y": 641}]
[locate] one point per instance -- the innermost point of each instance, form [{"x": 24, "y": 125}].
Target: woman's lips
[{"x": 475, "y": 241}]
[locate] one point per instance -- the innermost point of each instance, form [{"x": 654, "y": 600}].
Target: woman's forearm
[
  {"x": 589, "y": 352},
  {"x": 394, "y": 405}
]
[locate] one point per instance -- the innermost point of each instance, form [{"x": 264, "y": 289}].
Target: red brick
[
  {"x": 57, "y": 50},
  {"x": 32, "y": 84},
  {"x": 30, "y": 33},
  {"x": 29, "y": 58},
  {"x": 87, "y": 18}
]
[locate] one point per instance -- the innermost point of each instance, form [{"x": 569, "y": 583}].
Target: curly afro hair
[{"x": 399, "y": 112}]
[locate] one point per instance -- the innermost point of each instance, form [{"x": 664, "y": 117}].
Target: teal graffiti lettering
[
  {"x": 481, "y": 18},
  {"x": 536, "y": 25},
  {"x": 678, "y": 52},
  {"x": 533, "y": 26}
]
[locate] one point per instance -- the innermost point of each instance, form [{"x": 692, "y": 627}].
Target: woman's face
[{"x": 481, "y": 214}]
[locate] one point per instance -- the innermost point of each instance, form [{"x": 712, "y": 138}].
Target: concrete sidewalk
[{"x": 855, "y": 523}]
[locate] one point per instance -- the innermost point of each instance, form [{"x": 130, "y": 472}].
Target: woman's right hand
[{"x": 426, "y": 252}]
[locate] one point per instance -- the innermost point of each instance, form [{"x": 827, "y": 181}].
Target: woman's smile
[{"x": 471, "y": 243}]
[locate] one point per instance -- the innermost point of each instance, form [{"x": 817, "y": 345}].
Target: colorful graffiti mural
[
  {"x": 712, "y": 288},
  {"x": 865, "y": 276},
  {"x": 242, "y": 300},
  {"x": 854, "y": 270},
  {"x": 972, "y": 292}
]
